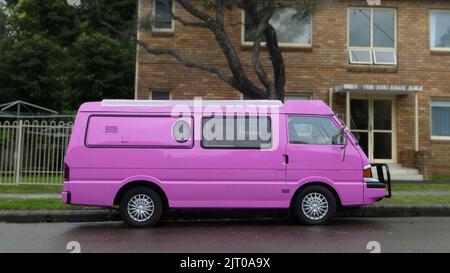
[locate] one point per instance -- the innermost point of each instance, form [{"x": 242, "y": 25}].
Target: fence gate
[{"x": 33, "y": 152}]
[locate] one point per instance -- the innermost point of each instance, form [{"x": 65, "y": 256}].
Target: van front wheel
[
  {"x": 314, "y": 205},
  {"x": 141, "y": 207}
]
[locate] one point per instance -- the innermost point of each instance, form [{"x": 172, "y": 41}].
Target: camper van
[{"x": 145, "y": 157}]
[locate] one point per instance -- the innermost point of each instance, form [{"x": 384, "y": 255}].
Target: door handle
[{"x": 286, "y": 159}]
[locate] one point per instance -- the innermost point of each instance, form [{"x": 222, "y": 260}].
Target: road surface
[{"x": 428, "y": 234}]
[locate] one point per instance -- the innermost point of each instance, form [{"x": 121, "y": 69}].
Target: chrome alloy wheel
[
  {"x": 140, "y": 207},
  {"x": 314, "y": 206}
]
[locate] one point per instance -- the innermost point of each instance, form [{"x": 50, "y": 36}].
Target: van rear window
[{"x": 139, "y": 131}]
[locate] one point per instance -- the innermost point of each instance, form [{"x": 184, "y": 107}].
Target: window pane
[
  {"x": 382, "y": 145},
  {"x": 440, "y": 29},
  {"x": 363, "y": 140},
  {"x": 360, "y": 56},
  {"x": 237, "y": 132},
  {"x": 440, "y": 119},
  {"x": 359, "y": 114},
  {"x": 384, "y": 28},
  {"x": 298, "y": 97},
  {"x": 160, "y": 95},
  {"x": 289, "y": 28},
  {"x": 359, "y": 21},
  {"x": 249, "y": 29},
  {"x": 384, "y": 57},
  {"x": 382, "y": 118},
  {"x": 311, "y": 130},
  {"x": 163, "y": 15}
]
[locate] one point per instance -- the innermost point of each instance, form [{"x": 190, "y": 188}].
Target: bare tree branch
[
  {"x": 240, "y": 80},
  {"x": 186, "y": 4},
  {"x": 169, "y": 52},
  {"x": 220, "y": 11},
  {"x": 260, "y": 16},
  {"x": 180, "y": 19},
  {"x": 263, "y": 21},
  {"x": 277, "y": 61},
  {"x": 188, "y": 23}
]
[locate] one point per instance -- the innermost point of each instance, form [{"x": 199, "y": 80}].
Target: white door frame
[{"x": 370, "y": 131}]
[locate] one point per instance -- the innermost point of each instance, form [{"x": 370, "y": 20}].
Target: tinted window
[
  {"x": 359, "y": 27},
  {"x": 160, "y": 95},
  {"x": 383, "y": 28},
  {"x": 440, "y": 113},
  {"x": 440, "y": 29},
  {"x": 311, "y": 130},
  {"x": 237, "y": 132},
  {"x": 163, "y": 14}
]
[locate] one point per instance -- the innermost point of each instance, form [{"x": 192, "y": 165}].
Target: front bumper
[
  {"x": 383, "y": 169},
  {"x": 375, "y": 189}
]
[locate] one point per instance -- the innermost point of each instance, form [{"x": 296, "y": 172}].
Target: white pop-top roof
[{"x": 188, "y": 103}]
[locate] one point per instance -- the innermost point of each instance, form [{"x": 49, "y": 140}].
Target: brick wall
[{"x": 318, "y": 69}]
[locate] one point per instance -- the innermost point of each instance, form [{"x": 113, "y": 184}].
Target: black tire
[
  {"x": 317, "y": 191},
  {"x": 147, "y": 194}
]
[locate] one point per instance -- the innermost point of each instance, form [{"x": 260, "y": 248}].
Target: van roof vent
[{"x": 189, "y": 103}]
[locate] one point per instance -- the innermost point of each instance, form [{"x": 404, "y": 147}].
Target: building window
[
  {"x": 297, "y": 97},
  {"x": 372, "y": 36},
  {"x": 159, "y": 95},
  {"x": 440, "y": 118},
  {"x": 440, "y": 30},
  {"x": 291, "y": 30},
  {"x": 162, "y": 16}
]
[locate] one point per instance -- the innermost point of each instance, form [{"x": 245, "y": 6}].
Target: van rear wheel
[
  {"x": 141, "y": 207},
  {"x": 314, "y": 205}
]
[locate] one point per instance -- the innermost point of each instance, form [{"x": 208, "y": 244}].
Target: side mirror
[{"x": 340, "y": 138}]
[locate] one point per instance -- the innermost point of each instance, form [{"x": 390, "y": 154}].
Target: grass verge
[
  {"x": 441, "y": 178},
  {"x": 29, "y": 189},
  {"x": 36, "y": 204},
  {"x": 55, "y": 204},
  {"x": 420, "y": 187},
  {"x": 416, "y": 200}
]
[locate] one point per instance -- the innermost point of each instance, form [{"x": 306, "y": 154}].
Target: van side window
[
  {"x": 311, "y": 130},
  {"x": 119, "y": 131},
  {"x": 237, "y": 132}
]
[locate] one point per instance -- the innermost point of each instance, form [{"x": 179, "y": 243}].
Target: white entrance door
[{"x": 372, "y": 121}]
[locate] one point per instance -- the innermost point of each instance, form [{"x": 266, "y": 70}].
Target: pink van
[{"x": 145, "y": 157}]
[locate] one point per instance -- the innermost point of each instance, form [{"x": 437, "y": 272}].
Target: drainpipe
[
  {"x": 330, "y": 98},
  {"x": 416, "y": 121},
  {"x": 136, "y": 72},
  {"x": 347, "y": 108}
]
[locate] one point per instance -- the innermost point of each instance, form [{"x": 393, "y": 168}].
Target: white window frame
[
  {"x": 150, "y": 94},
  {"x": 372, "y": 48},
  {"x": 384, "y": 50},
  {"x": 432, "y": 48},
  {"x": 292, "y": 45},
  {"x": 359, "y": 49},
  {"x": 162, "y": 30},
  {"x": 433, "y": 137}
]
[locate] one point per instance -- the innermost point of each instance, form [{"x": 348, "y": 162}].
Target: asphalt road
[{"x": 429, "y": 234}]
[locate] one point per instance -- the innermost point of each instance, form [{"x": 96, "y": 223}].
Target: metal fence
[{"x": 32, "y": 152}]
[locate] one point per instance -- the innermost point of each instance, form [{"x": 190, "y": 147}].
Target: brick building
[{"x": 385, "y": 68}]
